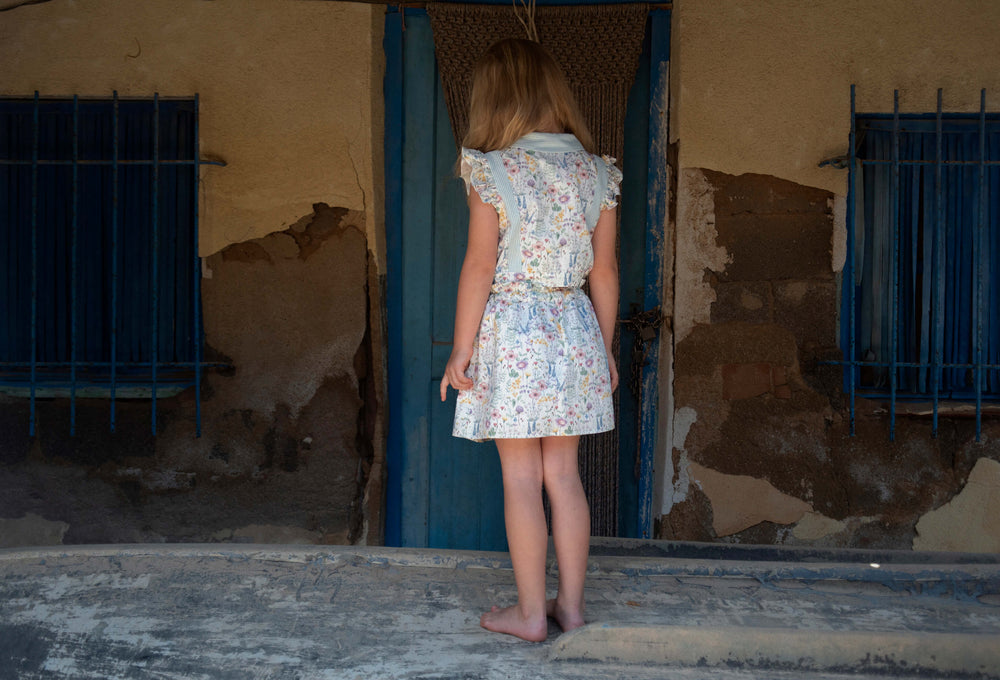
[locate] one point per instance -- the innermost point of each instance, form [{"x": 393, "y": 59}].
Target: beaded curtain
[{"x": 598, "y": 48}]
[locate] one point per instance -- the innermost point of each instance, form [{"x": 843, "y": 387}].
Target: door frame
[{"x": 657, "y": 192}]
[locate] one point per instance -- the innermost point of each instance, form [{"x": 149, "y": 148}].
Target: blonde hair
[{"x": 517, "y": 88}]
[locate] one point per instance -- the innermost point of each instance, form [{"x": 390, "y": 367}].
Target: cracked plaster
[
  {"x": 740, "y": 501},
  {"x": 969, "y": 522}
]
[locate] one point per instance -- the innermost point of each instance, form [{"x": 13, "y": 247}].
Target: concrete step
[
  {"x": 276, "y": 612},
  {"x": 898, "y": 654}
]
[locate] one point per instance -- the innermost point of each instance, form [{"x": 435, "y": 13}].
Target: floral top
[{"x": 554, "y": 189}]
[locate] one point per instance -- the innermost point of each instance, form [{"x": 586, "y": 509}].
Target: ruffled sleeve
[
  {"x": 613, "y": 190},
  {"x": 475, "y": 171}
]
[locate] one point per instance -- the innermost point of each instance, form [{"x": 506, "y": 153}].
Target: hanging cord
[{"x": 528, "y": 20}]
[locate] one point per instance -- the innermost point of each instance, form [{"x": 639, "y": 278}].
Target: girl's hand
[
  {"x": 614, "y": 371},
  {"x": 454, "y": 372}
]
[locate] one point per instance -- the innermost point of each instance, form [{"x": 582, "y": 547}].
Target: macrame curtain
[{"x": 598, "y": 47}]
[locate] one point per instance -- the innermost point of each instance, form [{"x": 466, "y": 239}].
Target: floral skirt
[{"x": 539, "y": 368}]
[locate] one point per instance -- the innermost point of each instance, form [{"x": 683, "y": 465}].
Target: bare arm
[
  {"x": 604, "y": 282},
  {"x": 473, "y": 290}
]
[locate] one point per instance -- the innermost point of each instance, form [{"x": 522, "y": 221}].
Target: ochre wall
[
  {"x": 763, "y": 86},
  {"x": 292, "y": 239},
  {"x": 756, "y": 424},
  {"x": 290, "y": 93}
]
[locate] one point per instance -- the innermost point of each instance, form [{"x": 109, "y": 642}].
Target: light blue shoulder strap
[
  {"x": 506, "y": 191},
  {"x": 594, "y": 209}
]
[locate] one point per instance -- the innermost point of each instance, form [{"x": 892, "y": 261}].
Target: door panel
[{"x": 449, "y": 490}]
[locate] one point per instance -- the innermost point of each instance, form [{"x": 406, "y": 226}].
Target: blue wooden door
[{"x": 444, "y": 492}]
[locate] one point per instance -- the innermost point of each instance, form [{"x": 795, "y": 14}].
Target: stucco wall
[
  {"x": 760, "y": 447},
  {"x": 290, "y": 93},
  {"x": 292, "y": 239},
  {"x": 763, "y": 86}
]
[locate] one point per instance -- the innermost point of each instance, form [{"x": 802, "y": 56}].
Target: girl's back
[{"x": 548, "y": 192}]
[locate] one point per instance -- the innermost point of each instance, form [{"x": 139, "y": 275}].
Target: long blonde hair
[{"x": 517, "y": 88}]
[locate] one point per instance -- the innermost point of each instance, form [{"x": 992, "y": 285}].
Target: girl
[{"x": 531, "y": 351}]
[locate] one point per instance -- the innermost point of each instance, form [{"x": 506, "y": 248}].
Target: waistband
[{"x": 527, "y": 286}]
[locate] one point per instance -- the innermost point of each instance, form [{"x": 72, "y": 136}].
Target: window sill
[
  {"x": 949, "y": 408},
  {"x": 94, "y": 392}
]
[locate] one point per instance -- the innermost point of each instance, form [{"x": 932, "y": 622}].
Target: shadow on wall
[{"x": 285, "y": 451}]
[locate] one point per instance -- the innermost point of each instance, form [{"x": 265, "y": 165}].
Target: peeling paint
[
  {"x": 969, "y": 522},
  {"x": 31, "y": 529},
  {"x": 741, "y": 501},
  {"x": 310, "y": 295},
  {"x": 683, "y": 419},
  {"x": 814, "y": 526},
  {"x": 697, "y": 251}
]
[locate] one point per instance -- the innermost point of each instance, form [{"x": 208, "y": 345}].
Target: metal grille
[
  {"x": 101, "y": 290},
  {"x": 921, "y": 317}
]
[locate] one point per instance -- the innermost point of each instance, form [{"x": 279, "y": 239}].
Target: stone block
[
  {"x": 775, "y": 247},
  {"x": 748, "y": 302},
  {"x": 808, "y": 308},
  {"x": 711, "y": 345},
  {"x": 772, "y": 229}
]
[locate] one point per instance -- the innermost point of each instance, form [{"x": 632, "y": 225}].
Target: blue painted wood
[
  {"x": 658, "y": 190},
  {"x": 645, "y": 196},
  {"x": 443, "y": 492},
  {"x": 632, "y": 281},
  {"x": 466, "y": 502},
  {"x": 395, "y": 453},
  {"x": 419, "y": 83},
  {"x": 430, "y": 500}
]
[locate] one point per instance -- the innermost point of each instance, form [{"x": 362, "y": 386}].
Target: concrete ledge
[
  {"x": 957, "y": 655},
  {"x": 960, "y": 579}
]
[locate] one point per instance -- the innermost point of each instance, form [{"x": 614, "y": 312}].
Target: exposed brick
[
  {"x": 711, "y": 345},
  {"x": 808, "y": 309},
  {"x": 749, "y": 302},
  {"x": 771, "y": 247},
  {"x": 778, "y": 376},
  {"x": 744, "y": 381},
  {"x": 772, "y": 229},
  {"x": 749, "y": 193}
]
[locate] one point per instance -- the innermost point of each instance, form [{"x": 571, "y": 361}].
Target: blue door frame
[{"x": 412, "y": 522}]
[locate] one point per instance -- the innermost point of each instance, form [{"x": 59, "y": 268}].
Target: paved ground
[{"x": 656, "y": 610}]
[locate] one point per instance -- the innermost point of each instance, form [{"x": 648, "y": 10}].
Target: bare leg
[
  {"x": 527, "y": 537},
  {"x": 570, "y": 527}
]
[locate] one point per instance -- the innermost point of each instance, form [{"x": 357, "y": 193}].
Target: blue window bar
[
  {"x": 101, "y": 284},
  {"x": 921, "y": 303}
]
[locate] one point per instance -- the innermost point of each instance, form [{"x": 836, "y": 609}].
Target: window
[
  {"x": 922, "y": 318},
  {"x": 99, "y": 291}
]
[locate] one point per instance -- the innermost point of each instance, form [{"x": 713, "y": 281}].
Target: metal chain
[{"x": 644, "y": 327}]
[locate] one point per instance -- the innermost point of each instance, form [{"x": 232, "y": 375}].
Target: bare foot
[
  {"x": 510, "y": 621},
  {"x": 568, "y": 620}
]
